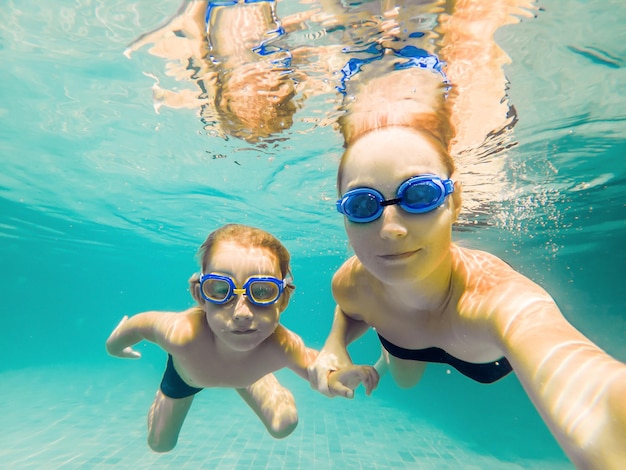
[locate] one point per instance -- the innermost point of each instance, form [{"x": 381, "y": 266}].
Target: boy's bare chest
[{"x": 206, "y": 369}]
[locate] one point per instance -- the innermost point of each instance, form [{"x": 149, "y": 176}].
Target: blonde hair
[
  {"x": 411, "y": 98},
  {"x": 414, "y": 98},
  {"x": 255, "y": 101},
  {"x": 249, "y": 237}
]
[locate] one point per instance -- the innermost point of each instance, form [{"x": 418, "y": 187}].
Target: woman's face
[{"x": 398, "y": 246}]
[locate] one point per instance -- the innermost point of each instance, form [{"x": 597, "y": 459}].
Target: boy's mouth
[{"x": 244, "y": 332}]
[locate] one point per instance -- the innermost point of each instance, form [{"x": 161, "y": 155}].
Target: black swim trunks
[
  {"x": 172, "y": 385},
  {"x": 484, "y": 373}
]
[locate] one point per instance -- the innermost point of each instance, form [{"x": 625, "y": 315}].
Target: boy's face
[{"x": 238, "y": 323}]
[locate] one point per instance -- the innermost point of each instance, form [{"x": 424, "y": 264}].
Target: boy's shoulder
[
  {"x": 286, "y": 340},
  {"x": 185, "y": 327}
]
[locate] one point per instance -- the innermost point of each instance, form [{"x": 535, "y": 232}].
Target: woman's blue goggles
[
  {"x": 260, "y": 290},
  {"x": 416, "y": 195}
]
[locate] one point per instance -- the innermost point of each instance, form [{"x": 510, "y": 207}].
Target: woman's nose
[{"x": 392, "y": 223}]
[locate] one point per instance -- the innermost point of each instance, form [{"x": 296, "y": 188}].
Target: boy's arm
[
  {"x": 151, "y": 326},
  {"x": 297, "y": 355}
]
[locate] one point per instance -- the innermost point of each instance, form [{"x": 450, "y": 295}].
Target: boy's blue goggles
[
  {"x": 416, "y": 195},
  {"x": 260, "y": 290}
]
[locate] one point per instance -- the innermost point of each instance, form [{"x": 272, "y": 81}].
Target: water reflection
[
  {"x": 251, "y": 70},
  {"x": 248, "y": 80}
]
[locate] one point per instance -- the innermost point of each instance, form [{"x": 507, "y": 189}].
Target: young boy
[{"x": 231, "y": 339}]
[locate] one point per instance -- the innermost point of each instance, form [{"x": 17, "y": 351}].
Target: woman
[{"x": 431, "y": 300}]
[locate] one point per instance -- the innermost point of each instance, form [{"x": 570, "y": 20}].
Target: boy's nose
[{"x": 242, "y": 309}]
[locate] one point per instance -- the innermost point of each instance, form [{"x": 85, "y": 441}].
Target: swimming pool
[{"x": 104, "y": 202}]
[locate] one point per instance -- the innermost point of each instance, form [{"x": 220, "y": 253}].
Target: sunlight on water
[{"x": 91, "y": 102}]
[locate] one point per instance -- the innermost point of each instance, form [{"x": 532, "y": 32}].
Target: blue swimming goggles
[
  {"x": 416, "y": 195},
  {"x": 260, "y": 290}
]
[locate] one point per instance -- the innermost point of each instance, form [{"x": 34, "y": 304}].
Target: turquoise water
[{"x": 103, "y": 203}]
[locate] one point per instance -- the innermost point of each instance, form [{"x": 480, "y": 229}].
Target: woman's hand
[
  {"x": 325, "y": 364},
  {"x": 343, "y": 382}
]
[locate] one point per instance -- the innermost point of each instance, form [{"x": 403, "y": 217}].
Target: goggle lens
[
  {"x": 263, "y": 292},
  {"x": 421, "y": 195},
  {"x": 216, "y": 290},
  {"x": 363, "y": 205}
]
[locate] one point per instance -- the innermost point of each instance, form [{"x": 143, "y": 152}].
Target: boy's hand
[
  {"x": 113, "y": 348},
  {"x": 128, "y": 353},
  {"x": 343, "y": 382}
]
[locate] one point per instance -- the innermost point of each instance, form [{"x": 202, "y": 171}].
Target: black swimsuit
[
  {"x": 484, "y": 373},
  {"x": 173, "y": 385}
]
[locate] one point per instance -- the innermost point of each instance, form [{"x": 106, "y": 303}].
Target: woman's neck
[{"x": 429, "y": 294}]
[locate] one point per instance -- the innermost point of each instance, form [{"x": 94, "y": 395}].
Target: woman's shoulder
[
  {"x": 483, "y": 272},
  {"x": 354, "y": 288},
  {"x": 470, "y": 258},
  {"x": 349, "y": 275}
]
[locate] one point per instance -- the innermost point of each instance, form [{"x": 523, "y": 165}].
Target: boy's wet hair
[{"x": 249, "y": 237}]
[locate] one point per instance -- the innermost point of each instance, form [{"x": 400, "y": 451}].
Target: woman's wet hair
[
  {"x": 445, "y": 157},
  {"x": 414, "y": 99}
]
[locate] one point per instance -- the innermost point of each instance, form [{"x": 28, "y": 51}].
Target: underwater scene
[{"x": 130, "y": 130}]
